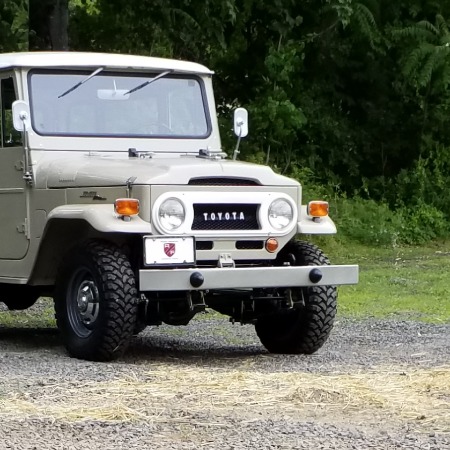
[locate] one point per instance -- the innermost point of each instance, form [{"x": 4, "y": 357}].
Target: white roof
[{"x": 107, "y": 60}]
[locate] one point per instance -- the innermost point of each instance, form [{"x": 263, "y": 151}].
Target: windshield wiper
[
  {"x": 167, "y": 72},
  {"x": 76, "y": 86}
]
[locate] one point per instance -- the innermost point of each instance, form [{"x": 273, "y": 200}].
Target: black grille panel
[
  {"x": 222, "y": 181},
  {"x": 204, "y": 245},
  {"x": 229, "y": 216},
  {"x": 249, "y": 245}
]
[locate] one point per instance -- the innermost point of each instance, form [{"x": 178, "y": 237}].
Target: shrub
[
  {"x": 421, "y": 224},
  {"x": 372, "y": 223},
  {"x": 367, "y": 221}
]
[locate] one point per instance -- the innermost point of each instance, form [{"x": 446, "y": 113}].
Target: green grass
[
  {"x": 398, "y": 282},
  {"x": 41, "y": 315}
]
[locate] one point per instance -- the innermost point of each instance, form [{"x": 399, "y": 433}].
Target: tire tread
[
  {"x": 119, "y": 303},
  {"x": 311, "y": 329}
]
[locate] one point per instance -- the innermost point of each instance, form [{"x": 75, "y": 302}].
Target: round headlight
[
  {"x": 171, "y": 214},
  {"x": 280, "y": 214}
]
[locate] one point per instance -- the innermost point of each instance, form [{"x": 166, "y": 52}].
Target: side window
[{"x": 10, "y": 136}]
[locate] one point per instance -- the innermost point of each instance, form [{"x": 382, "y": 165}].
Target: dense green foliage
[
  {"x": 350, "y": 96},
  {"x": 13, "y": 25}
]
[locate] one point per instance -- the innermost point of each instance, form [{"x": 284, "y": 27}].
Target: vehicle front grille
[
  {"x": 229, "y": 216},
  {"x": 222, "y": 181}
]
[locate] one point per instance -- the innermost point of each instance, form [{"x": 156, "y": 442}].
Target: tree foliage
[
  {"x": 49, "y": 24},
  {"x": 13, "y": 25},
  {"x": 355, "y": 93}
]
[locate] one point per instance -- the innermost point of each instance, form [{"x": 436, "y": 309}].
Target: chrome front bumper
[{"x": 245, "y": 277}]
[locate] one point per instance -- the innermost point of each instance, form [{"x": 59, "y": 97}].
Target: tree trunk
[{"x": 49, "y": 21}]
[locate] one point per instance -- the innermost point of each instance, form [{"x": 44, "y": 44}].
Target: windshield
[{"x": 109, "y": 104}]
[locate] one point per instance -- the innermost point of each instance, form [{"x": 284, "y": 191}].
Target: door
[{"x": 13, "y": 190}]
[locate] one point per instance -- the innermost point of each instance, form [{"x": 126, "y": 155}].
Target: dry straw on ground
[{"x": 179, "y": 393}]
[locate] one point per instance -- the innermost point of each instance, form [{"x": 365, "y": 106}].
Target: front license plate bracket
[{"x": 169, "y": 251}]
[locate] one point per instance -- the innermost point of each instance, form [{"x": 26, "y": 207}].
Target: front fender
[
  {"x": 101, "y": 217},
  {"x": 306, "y": 224}
]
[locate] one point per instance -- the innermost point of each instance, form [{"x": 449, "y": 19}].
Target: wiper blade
[
  {"x": 167, "y": 72},
  {"x": 81, "y": 82}
]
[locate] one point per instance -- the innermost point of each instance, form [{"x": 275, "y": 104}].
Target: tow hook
[{"x": 225, "y": 260}]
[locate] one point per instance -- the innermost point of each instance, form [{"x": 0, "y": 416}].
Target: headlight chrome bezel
[
  {"x": 164, "y": 220},
  {"x": 287, "y": 216}
]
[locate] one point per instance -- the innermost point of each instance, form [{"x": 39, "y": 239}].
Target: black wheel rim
[{"x": 83, "y": 303}]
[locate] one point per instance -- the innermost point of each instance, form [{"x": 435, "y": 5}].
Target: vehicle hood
[{"x": 84, "y": 170}]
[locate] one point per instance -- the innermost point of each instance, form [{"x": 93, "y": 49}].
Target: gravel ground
[{"x": 381, "y": 384}]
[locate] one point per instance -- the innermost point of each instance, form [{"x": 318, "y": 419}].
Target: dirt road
[{"x": 375, "y": 384}]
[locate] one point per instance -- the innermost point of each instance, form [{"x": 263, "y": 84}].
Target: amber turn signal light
[
  {"x": 126, "y": 206},
  {"x": 271, "y": 245},
  {"x": 317, "y": 208}
]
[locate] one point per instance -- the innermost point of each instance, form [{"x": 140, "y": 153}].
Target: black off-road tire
[
  {"x": 100, "y": 276},
  {"x": 302, "y": 329}
]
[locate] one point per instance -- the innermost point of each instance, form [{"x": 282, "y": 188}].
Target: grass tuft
[{"x": 410, "y": 283}]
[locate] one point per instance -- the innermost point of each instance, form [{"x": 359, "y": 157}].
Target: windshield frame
[{"x": 118, "y": 73}]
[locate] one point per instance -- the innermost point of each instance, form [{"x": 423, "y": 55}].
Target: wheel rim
[{"x": 83, "y": 303}]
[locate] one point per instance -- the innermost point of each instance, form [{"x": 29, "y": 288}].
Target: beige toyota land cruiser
[{"x": 118, "y": 201}]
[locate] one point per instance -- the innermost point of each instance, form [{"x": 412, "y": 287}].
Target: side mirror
[
  {"x": 21, "y": 115},
  {"x": 240, "y": 127},
  {"x": 240, "y": 122}
]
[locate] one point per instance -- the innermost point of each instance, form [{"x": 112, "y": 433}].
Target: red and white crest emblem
[{"x": 169, "y": 249}]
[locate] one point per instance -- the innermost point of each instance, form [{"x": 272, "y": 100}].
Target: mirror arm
[
  {"x": 27, "y": 169},
  {"x": 236, "y": 150}
]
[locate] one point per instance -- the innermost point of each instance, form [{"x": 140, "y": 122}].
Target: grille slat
[{"x": 229, "y": 216}]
